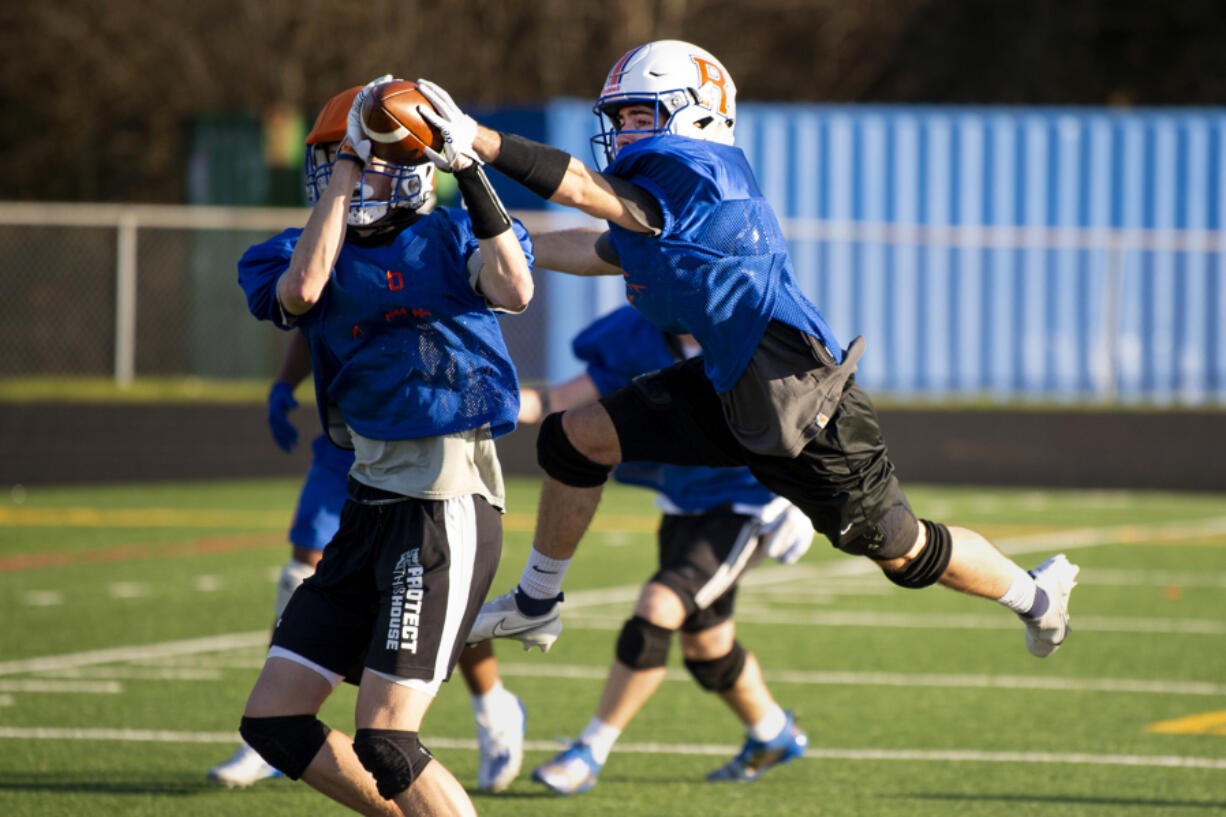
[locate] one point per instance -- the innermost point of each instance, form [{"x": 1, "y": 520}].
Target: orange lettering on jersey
[
  {"x": 629, "y": 285},
  {"x": 396, "y": 313},
  {"x": 394, "y": 280},
  {"x": 710, "y": 72},
  {"x": 421, "y": 313},
  {"x": 357, "y": 330}
]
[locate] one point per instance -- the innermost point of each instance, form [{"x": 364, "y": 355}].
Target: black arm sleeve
[
  {"x": 485, "y": 209},
  {"x": 540, "y": 168}
]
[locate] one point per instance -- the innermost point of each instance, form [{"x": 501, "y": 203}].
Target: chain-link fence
[
  {"x": 952, "y": 313},
  {"x": 152, "y": 291}
]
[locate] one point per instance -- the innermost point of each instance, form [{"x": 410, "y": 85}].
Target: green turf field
[{"x": 135, "y": 618}]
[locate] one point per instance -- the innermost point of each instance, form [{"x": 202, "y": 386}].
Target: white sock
[
  {"x": 489, "y": 699},
  {"x": 1020, "y": 596},
  {"x": 542, "y": 578},
  {"x": 600, "y": 737},
  {"x": 770, "y": 726}
]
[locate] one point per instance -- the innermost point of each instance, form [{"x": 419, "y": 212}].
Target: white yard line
[
  {"x": 904, "y": 679},
  {"x": 136, "y": 673},
  {"x": 191, "y": 646},
  {"x": 56, "y": 686},
  {"x": 814, "y": 752},
  {"x": 748, "y": 613}
]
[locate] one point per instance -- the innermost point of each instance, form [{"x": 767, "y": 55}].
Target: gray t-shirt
[{"x": 444, "y": 467}]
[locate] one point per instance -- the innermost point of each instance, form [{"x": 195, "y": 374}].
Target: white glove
[
  {"x": 788, "y": 536},
  {"x": 458, "y": 129},
  {"x": 355, "y": 144}
]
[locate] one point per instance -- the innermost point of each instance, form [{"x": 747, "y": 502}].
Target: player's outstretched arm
[
  {"x": 536, "y": 404},
  {"x": 550, "y": 173},
  {"x": 578, "y": 251},
  {"x": 561, "y": 178}
]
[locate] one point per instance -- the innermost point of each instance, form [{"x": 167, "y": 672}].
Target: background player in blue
[
  {"x": 411, "y": 372},
  {"x": 703, "y": 254},
  {"x": 497, "y": 712},
  {"x": 718, "y": 523}
]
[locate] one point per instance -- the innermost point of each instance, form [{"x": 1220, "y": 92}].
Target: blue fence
[{"x": 1069, "y": 255}]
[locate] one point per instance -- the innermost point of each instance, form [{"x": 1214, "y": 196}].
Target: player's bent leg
[
  {"x": 274, "y": 723},
  {"x": 389, "y": 713},
  {"x": 577, "y": 449},
  {"x": 299, "y": 744},
  {"x": 963, "y": 560},
  {"x": 720, "y": 664},
  {"x": 772, "y": 736},
  {"x": 245, "y": 767}
]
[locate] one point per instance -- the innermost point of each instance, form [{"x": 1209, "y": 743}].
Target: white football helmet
[
  {"x": 412, "y": 187},
  {"x": 689, "y": 88}
]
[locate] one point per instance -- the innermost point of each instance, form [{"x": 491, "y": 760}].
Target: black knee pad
[
  {"x": 929, "y": 565},
  {"x": 559, "y": 458},
  {"x": 891, "y": 537},
  {"x": 289, "y": 742},
  {"x": 719, "y": 674},
  {"x": 643, "y": 645},
  {"x": 393, "y": 757}
]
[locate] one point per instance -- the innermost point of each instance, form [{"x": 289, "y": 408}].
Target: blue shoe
[
  {"x": 757, "y": 756},
  {"x": 573, "y": 771}
]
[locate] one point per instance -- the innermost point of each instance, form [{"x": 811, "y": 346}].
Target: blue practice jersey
[
  {"x": 720, "y": 271},
  {"x": 623, "y": 345},
  {"x": 323, "y": 493},
  {"x": 399, "y": 340}
]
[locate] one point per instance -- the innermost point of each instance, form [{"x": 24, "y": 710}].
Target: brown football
[{"x": 396, "y": 129}]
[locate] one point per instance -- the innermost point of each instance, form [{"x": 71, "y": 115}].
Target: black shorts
[
  {"x": 398, "y": 587},
  {"x": 702, "y": 557},
  {"x": 843, "y": 478}
]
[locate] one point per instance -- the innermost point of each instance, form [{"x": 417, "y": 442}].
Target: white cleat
[
  {"x": 500, "y": 736},
  {"x": 243, "y": 769},
  {"x": 1057, "y": 576},
  {"x": 501, "y": 618}
]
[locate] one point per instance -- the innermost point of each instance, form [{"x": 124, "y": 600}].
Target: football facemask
[{"x": 408, "y": 187}]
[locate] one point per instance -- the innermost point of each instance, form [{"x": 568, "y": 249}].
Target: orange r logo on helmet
[{"x": 710, "y": 72}]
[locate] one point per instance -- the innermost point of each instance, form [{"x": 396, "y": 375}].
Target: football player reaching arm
[
  {"x": 556, "y": 175},
  {"x": 578, "y": 251}
]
